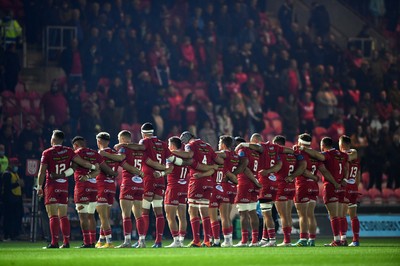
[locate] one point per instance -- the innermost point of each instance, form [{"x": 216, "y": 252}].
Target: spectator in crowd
[
  {"x": 72, "y": 62},
  {"x": 306, "y": 109},
  {"x": 393, "y": 166},
  {"x": 290, "y": 117},
  {"x": 3, "y": 159},
  {"x": 375, "y": 155},
  {"x": 326, "y": 103},
  {"x": 286, "y": 16},
  {"x": 12, "y": 67},
  {"x": 208, "y": 134},
  {"x": 224, "y": 121},
  {"x": 30, "y": 162},
  {"x": 319, "y": 19},
  {"x": 12, "y": 186},
  {"x": 55, "y": 104}
]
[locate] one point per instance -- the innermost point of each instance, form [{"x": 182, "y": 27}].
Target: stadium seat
[
  {"x": 289, "y": 144},
  {"x": 136, "y": 133},
  {"x": 314, "y": 143},
  {"x": 125, "y": 126},
  {"x": 365, "y": 179},
  {"x": 389, "y": 196},
  {"x": 376, "y": 196},
  {"x": 320, "y": 132},
  {"x": 397, "y": 194},
  {"x": 10, "y": 103},
  {"x": 365, "y": 198}
]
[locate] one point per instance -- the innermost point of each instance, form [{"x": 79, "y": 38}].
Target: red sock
[
  {"x": 140, "y": 226},
  {"x": 65, "y": 229},
  {"x": 312, "y": 236},
  {"x": 286, "y": 234},
  {"x": 107, "y": 232},
  {"x": 245, "y": 236},
  {"x": 86, "y": 237},
  {"x": 102, "y": 232},
  {"x": 182, "y": 233},
  {"x": 127, "y": 225},
  {"x": 343, "y": 226},
  {"x": 195, "y": 222},
  {"x": 206, "y": 228},
  {"x": 174, "y": 233},
  {"x": 335, "y": 224},
  {"x": 225, "y": 231},
  {"x": 160, "y": 223},
  {"x": 231, "y": 229},
  {"x": 54, "y": 229},
  {"x": 254, "y": 236},
  {"x": 92, "y": 236},
  {"x": 216, "y": 228},
  {"x": 265, "y": 233},
  {"x": 355, "y": 227},
  {"x": 303, "y": 235},
  {"x": 271, "y": 233},
  {"x": 145, "y": 223}
]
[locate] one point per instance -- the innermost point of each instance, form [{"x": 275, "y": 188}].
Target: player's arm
[
  {"x": 107, "y": 169},
  {"x": 273, "y": 169},
  {"x": 232, "y": 177},
  {"x": 287, "y": 150},
  {"x": 116, "y": 157},
  {"x": 218, "y": 159},
  {"x": 187, "y": 162},
  {"x": 328, "y": 176},
  {"x": 358, "y": 177},
  {"x": 255, "y": 147},
  {"x": 309, "y": 175},
  {"x": 175, "y": 160},
  {"x": 66, "y": 173},
  {"x": 40, "y": 180},
  {"x": 243, "y": 162},
  {"x": 208, "y": 173},
  {"x": 205, "y": 167},
  {"x": 313, "y": 153},
  {"x": 91, "y": 174},
  {"x": 252, "y": 178},
  {"x": 133, "y": 146},
  {"x": 183, "y": 154},
  {"x": 131, "y": 169},
  {"x": 155, "y": 165},
  {"x": 86, "y": 164},
  {"x": 221, "y": 154},
  {"x": 345, "y": 174},
  {"x": 301, "y": 167}
]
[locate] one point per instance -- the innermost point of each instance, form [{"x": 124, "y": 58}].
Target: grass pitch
[{"x": 373, "y": 251}]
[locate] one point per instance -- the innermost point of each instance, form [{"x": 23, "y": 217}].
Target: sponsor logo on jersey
[
  {"x": 52, "y": 200},
  {"x": 137, "y": 179},
  {"x": 61, "y": 180},
  {"x": 182, "y": 182},
  {"x": 92, "y": 180},
  {"x": 282, "y": 197},
  {"x": 109, "y": 181},
  {"x": 129, "y": 197},
  {"x": 83, "y": 199},
  {"x": 272, "y": 177},
  {"x": 305, "y": 199},
  {"x": 351, "y": 181},
  {"x": 62, "y": 152},
  {"x": 219, "y": 188},
  {"x": 60, "y": 191}
]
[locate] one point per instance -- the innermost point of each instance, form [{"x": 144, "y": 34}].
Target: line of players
[{"x": 208, "y": 181}]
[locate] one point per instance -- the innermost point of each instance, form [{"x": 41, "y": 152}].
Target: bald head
[{"x": 256, "y": 138}]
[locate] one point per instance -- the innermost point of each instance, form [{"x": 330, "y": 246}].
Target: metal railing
[
  {"x": 56, "y": 39},
  {"x": 366, "y": 45}
]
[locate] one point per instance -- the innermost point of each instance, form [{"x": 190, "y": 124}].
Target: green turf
[{"x": 382, "y": 251}]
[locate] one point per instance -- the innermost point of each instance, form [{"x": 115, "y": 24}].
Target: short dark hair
[
  {"x": 305, "y": 137},
  {"x": 327, "y": 141},
  {"x": 78, "y": 140},
  {"x": 176, "y": 141},
  {"x": 279, "y": 139},
  {"x": 147, "y": 127},
  {"x": 125, "y": 133},
  {"x": 345, "y": 140},
  {"x": 58, "y": 134},
  {"x": 104, "y": 136},
  {"x": 228, "y": 141},
  {"x": 239, "y": 139}
]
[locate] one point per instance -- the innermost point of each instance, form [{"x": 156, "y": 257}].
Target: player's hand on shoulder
[
  {"x": 157, "y": 174},
  {"x": 258, "y": 184},
  {"x": 288, "y": 179},
  {"x": 102, "y": 152},
  {"x": 56, "y": 176},
  {"x": 197, "y": 175},
  {"x": 39, "y": 191},
  {"x": 263, "y": 172},
  {"x": 118, "y": 146},
  {"x": 83, "y": 178}
]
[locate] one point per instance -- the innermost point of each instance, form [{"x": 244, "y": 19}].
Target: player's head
[
  {"x": 103, "y": 139},
  {"x": 225, "y": 142},
  {"x": 147, "y": 130},
  {"x": 344, "y": 143},
  {"x": 57, "y": 137},
  {"x": 239, "y": 140},
  {"x": 124, "y": 136},
  {"x": 174, "y": 143},
  {"x": 256, "y": 138},
  {"x": 304, "y": 140},
  {"x": 186, "y": 136},
  {"x": 326, "y": 144},
  {"x": 78, "y": 142},
  {"x": 280, "y": 140}
]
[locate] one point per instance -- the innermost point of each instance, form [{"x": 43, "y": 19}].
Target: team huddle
[{"x": 186, "y": 171}]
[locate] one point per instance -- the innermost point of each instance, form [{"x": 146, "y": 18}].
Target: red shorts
[
  {"x": 269, "y": 188},
  {"x": 130, "y": 191},
  {"x": 56, "y": 194},
  {"x": 153, "y": 186},
  {"x": 218, "y": 196},
  {"x": 333, "y": 195},
  {"x": 246, "y": 193},
  {"x": 85, "y": 192},
  {"x": 176, "y": 195},
  {"x": 200, "y": 189},
  {"x": 230, "y": 191},
  {"x": 351, "y": 194},
  {"x": 306, "y": 192},
  {"x": 105, "y": 192},
  {"x": 286, "y": 191}
]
